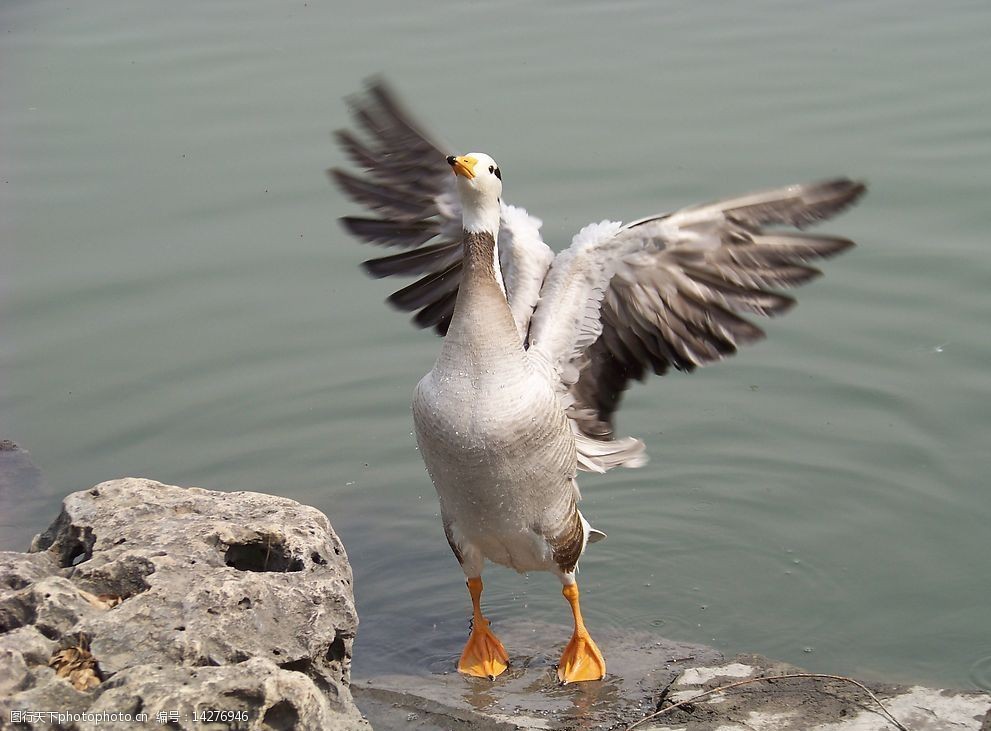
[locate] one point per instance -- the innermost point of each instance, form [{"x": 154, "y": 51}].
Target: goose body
[
  {"x": 493, "y": 435},
  {"x": 538, "y": 348}
]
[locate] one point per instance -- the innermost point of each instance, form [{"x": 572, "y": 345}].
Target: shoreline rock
[
  {"x": 149, "y": 598},
  {"x": 645, "y": 672}
]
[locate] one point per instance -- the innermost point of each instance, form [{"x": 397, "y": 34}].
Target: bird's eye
[
  {"x": 498, "y": 174},
  {"x": 491, "y": 168}
]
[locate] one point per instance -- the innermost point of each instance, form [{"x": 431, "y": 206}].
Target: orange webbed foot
[
  {"x": 483, "y": 656},
  {"x": 581, "y": 660}
]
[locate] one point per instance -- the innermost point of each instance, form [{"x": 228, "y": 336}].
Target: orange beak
[{"x": 463, "y": 166}]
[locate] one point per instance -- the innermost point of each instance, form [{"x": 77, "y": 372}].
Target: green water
[{"x": 177, "y": 301}]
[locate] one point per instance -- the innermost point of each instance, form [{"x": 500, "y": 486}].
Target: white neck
[{"x": 480, "y": 214}]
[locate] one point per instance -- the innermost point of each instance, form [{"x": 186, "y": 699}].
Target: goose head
[{"x": 479, "y": 182}]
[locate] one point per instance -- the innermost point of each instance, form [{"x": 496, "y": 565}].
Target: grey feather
[
  {"x": 429, "y": 289},
  {"x": 677, "y": 299},
  {"x": 387, "y": 232},
  {"x": 425, "y": 259}
]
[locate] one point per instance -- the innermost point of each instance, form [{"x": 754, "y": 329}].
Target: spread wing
[
  {"x": 410, "y": 192},
  {"x": 673, "y": 290}
]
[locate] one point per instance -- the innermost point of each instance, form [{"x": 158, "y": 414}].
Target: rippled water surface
[{"x": 177, "y": 301}]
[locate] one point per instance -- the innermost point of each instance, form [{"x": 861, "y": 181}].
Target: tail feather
[{"x": 595, "y": 455}]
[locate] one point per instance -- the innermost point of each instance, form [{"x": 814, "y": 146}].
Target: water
[{"x": 178, "y": 302}]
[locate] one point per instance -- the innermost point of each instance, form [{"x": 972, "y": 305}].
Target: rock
[
  {"x": 528, "y": 695},
  {"x": 188, "y": 601},
  {"x": 646, "y": 672},
  {"x": 256, "y": 691},
  {"x": 823, "y": 703}
]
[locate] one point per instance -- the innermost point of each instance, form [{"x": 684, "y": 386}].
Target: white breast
[{"x": 501, "y": 456}]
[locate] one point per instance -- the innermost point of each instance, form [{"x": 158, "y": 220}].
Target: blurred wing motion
[
  {"x": 409, "y": 187},
  {"x": 623, "y": 301}
]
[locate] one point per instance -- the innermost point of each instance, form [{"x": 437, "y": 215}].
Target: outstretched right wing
[{"x": 410, "y": 189}]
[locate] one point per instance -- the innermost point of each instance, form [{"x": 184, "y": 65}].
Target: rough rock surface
[
  {"x": 645, "y": 673},
  {"x": 810, "y": 704},
  {"x": 189, "y": 601}
]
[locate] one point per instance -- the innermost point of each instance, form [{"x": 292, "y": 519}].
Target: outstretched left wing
[{"x": 670, "y": 290}]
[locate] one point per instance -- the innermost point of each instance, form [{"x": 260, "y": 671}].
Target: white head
[{"x": 480, "y": 188}]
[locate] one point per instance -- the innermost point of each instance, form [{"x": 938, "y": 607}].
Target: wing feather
[
  {"x": 676, "y": 287},
  {"x": 391, "y": 233},
  {"x": 425, "y": 259},
  {"x": 438, "y": 313},
  {"x": 406, "y": 182},
  {"x": 428, "y": 289},
  {"x": 386, "y": 199}
]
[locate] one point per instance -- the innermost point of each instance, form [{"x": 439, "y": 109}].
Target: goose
[{"x": 538, "y": 348}]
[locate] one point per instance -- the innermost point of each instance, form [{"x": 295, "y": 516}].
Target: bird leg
[
  {"x": 581, "y": 659},
  {"x": 483, "y": 656}
]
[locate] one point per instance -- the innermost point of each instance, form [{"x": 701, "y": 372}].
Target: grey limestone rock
[
  {"x": 181, "y": 600},
  {"x": 254, "y": 694}
]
